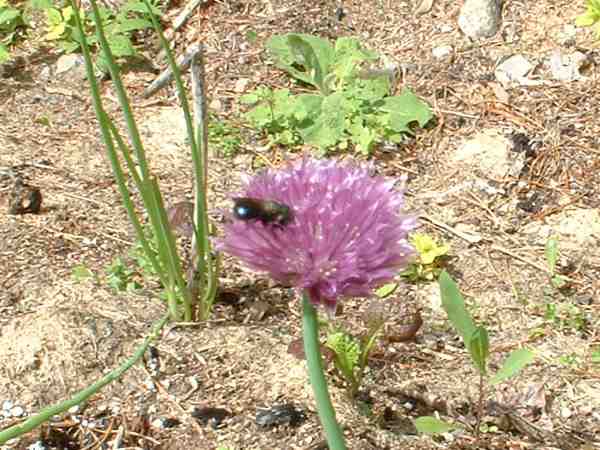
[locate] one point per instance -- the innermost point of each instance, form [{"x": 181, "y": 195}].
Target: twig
[
  {"x": 472, "y": 239},
  {"x": 183, "y": 62},
  {"x": 179, "y": 21}
]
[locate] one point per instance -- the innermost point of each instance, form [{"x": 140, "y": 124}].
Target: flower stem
[{"x": 312, "y": 349}]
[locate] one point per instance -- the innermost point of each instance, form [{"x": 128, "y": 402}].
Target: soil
[{"x": 59, "y": 333}]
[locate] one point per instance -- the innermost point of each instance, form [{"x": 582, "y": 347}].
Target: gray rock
[{"x": 479, "y": 18}]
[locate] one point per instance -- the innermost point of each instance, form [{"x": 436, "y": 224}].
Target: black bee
[{"x": 267, "y": 211}]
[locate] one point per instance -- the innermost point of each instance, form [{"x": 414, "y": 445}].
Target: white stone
[
  {"x": 442, "y": 51},
  {"x": 488, "y": 151},
  {"x": 565, "y": 67},
  {"x": 479, "y": 18},
  {"x": 513, "y": 71}
]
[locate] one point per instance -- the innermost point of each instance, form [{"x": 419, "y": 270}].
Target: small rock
[
  {"x": 72, "y": 61},
  {"x": 7, "y": 405},
  {"x": 566, "y": 67},
  {"x": 286, "y": 414},
  {"x": 446, "y": 28},
  {"x": 565, "y": 412},
  {"x": 17, "y": 411},
  {"x": 442, "y": 51},
  {"x": 479, "y": 18},
  {"x": 514, "y": 71},
  {"x": 241, "y": 85}
]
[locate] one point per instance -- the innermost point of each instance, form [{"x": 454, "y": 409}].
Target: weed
[
  {"x": 351, "y": 354},
  {"x": 225, "y": 136},
  {"x": 430, "y": 259},
  {"x": 476, "y": 341},
  {"x": 350, "y": 106}
]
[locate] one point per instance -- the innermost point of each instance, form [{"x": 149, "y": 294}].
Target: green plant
[
  {"x": 565, "y": 316},
  {"x": 11, "y": 20},
  {"x": 591, "y": 17},
  {"x": 430, "y": 258},
  {"x": 351, "y": 354},
  {"x": 225, "y": 136},
  {"x": 118, "y": 27},
  {"x": 476, "y": 340},
  {"x": 551, "y": 253},
  {"x": 121, "y": 277},
  {"x": 351, "y": 106}
]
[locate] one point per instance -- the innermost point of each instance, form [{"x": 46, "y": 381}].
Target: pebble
[
  {"x": 442, "y": 51},
  {"x": 17, "y": 411}
]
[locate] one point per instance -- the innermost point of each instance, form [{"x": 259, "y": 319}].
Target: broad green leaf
[
  {"x": 386, "y": 289},
  {"x": 127, "y": 25},
  {"x": 551, "y": 252},
  {"x": 479, "y": 348},
  {"x": 347, "y": 352},
  {"x": 513, "y": 364},
  {"x": 454, "y": 305},
  {"x": 4, "y": 54},
  {"x": 289, "y": 54},
  {"x": 139, "y": 7},
  {"x": 348, "y": 55},
  {"x": 308, "y": 106},
  {"x": 328, "y": 127},
  {"x": 120, "y": 45},
  {"x": 433, "y": 425},
  {"x": 405, "y": 109},
  {"x": 54, "y": 16},
  {"x": 8, "y": 15}
]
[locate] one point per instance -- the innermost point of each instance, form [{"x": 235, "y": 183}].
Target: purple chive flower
[{"x": 346, "y": 236}]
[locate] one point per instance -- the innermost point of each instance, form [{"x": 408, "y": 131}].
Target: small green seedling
[
  {"x": 591, "y": 17},
  {"x": 81, "y": 273},
  {"x": 345, "y": 105},
  {"x": 224, "y": 136},
  {"x": 476, "y": 341},
  {"x": 121, "y": 277},
  {"x": 351, "y": 355},
  {"x": 430, "y": 258},
  {"x": 551, "y": 252}
]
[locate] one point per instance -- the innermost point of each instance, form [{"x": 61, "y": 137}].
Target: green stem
[
  {"x": 47, "y": 413},
  {"x": 312, "y": 349}
]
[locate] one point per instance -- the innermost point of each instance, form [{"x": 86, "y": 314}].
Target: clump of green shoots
[
  {"x": 351, "y": 354},
  {"x": 430, "y": 259},
  {"x": 476, "y": 340}
]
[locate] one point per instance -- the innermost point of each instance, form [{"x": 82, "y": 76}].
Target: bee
[{"x": 266, "y": 211}]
